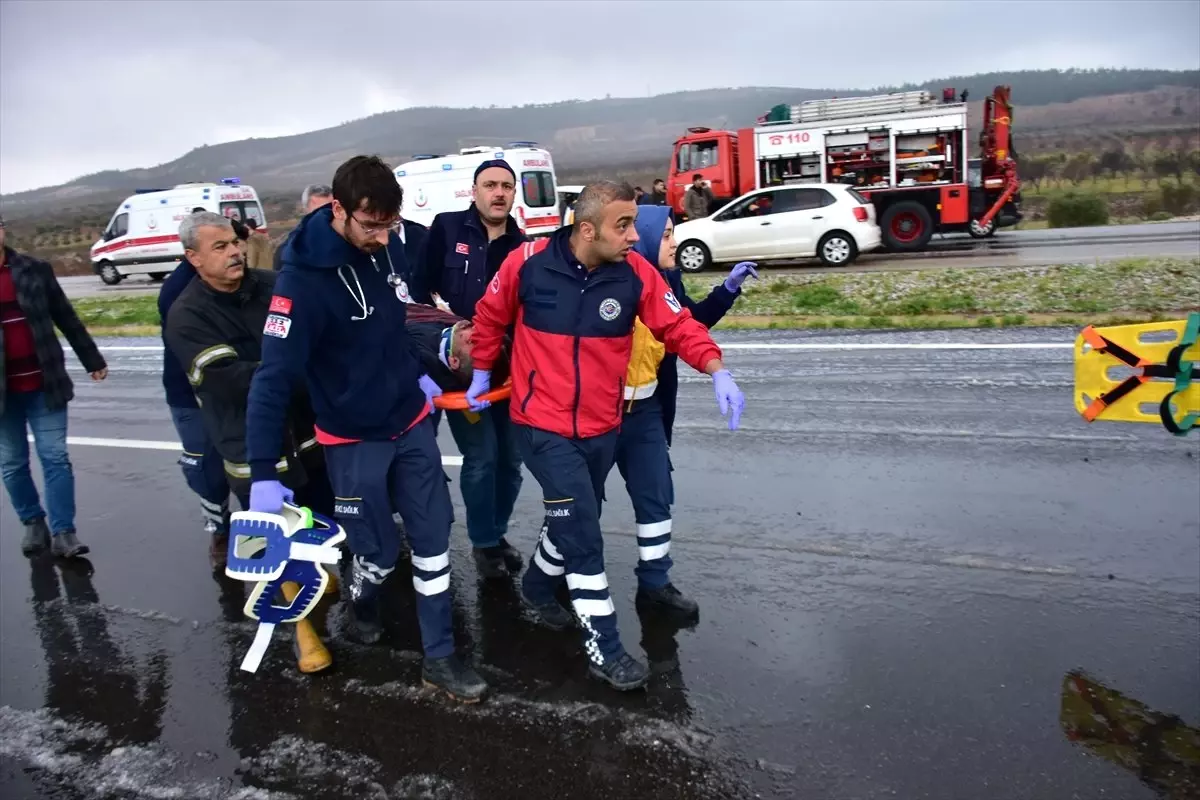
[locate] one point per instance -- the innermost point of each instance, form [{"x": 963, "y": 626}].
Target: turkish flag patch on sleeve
[
  {"x": 462, "y": 249},
  {"x": 281, "y": 305}
]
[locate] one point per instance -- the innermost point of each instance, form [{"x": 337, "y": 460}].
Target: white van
[
  {"x": 434, "y": 183},
  {"x": 143, "y": 235}
]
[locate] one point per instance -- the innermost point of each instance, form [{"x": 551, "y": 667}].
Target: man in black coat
[{"x": 215, "y": 331}]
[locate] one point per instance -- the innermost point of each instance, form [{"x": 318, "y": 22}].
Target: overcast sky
[{"x": 87, "y": 86}]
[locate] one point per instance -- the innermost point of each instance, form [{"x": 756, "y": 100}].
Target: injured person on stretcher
[{"x": 445, "y": 342}]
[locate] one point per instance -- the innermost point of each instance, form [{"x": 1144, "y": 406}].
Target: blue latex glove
[
  {"x": 269, "y": 496},
  {"x": 729, "y": 396},
  {"x": 739, "y": 273},
  {"x": 430, "y": 388},
  {"x": 481, "y": 381}
]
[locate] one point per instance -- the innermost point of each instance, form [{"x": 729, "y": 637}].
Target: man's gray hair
[
  {"x": 189, "y": 229},
  {"x": 314, "y": 190},
  {"x": 589, "y": 206}
]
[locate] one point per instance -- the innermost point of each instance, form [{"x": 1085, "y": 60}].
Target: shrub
[
  {"x": 1160, "y": 216},
  {"x": 1178, "y": 198},
  {"x": 1152, "y": 206},
  {"x": 1077, "y": 210}
]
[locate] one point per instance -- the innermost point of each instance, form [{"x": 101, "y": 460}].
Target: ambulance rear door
[
  {"x": 536, "y": 205},
  {"x": 434, "y": 185}
]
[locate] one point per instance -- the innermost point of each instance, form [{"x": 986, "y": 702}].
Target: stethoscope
[{"x": 360, "y": 297}]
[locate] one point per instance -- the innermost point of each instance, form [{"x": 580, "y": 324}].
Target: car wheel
[
  {"x": 693, "y": 256},
  {"x": 837, "y": 249},
  {"x": 109, "y": 273},
  {"x": 157, "y": 276},
  {"x": 982, "y": 231}
]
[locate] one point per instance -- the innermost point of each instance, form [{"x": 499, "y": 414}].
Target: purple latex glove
[
  {"x": 738, "y": 275},
  {"x": 481, "y": 381},
  {"x": 430, "y": 388},
  {"x": 729, "y": 396},
  {"x": 269, "y": 496}
]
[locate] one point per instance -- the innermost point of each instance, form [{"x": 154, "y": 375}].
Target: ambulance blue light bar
[
  {"x": 231, "y": 181},
  {"x": 511, "y": 145}
]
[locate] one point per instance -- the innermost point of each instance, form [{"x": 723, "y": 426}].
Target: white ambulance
[
  {"x": 143, "y": 235},
  {"x": 436, "y": 183}
]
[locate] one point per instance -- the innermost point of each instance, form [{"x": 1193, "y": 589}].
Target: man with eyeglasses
[
  {"x": 463, "y": 252},
  {"x": 337, "y": 321}
]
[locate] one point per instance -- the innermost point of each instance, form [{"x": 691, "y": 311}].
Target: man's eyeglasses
[{"x": 371, "y": 230}]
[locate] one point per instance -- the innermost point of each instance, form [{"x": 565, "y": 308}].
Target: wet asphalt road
[
  {"x": 921, "y": 575},
  {"x": 1007, "y": 248}
]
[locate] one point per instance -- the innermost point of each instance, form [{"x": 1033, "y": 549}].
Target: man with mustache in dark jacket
[{"x": 463, "y": 252}]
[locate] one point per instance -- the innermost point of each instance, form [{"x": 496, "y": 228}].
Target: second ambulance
[{"x": 436, "y": 183}]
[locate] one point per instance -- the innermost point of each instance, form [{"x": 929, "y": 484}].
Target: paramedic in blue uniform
[
  {"x": 463, "y": 252},
  {"x": 337, "y": 322}
]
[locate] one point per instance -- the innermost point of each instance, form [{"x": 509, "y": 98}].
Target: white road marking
[
  {"x": 798, "y": 346},
  {"x": 898, "y": 346},
  {"x": 147, "y": 444}
]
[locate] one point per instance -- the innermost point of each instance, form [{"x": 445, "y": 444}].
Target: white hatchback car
[{"x": 829, "y": 221}]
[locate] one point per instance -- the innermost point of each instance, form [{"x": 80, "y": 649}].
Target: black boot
[
  {"x": 512, "y": 558},
  {"x": 623, "y": 673},
  {"x": 67, "y": 545},
  {"x": 490, "y": 562},
  {"x": 667, "y": 601},
  {"x": 218, "y": 550},
  {"x": 453, "y": 677},
  {"x": 365, "y": 626},
  {"x": 550, "y": 615},
  {"x": 37, "y": 537}
]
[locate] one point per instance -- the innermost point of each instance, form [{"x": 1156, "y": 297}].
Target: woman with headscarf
[{"x": 651, "y": 385}]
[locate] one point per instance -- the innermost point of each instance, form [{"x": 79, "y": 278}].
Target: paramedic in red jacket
[{"x": 573, "y": 298}]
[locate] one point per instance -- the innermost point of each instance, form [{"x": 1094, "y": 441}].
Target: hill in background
[
  {"x": 1091, "y": 114},
  {"x": 620, "y": 132}
]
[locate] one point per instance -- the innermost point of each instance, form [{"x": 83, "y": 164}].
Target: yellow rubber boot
[{"x": 314, "y": 656}]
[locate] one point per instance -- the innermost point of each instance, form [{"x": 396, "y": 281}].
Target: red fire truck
[{"x": 908, "y": 153}]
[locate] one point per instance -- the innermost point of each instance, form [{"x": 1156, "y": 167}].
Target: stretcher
[
  {"x": 1140, "y": 373},
  {"x": 286, "y": 555},
  {"x": 457, "y": 401}
]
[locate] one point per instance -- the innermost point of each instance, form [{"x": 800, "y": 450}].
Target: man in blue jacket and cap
[
  {"x": 463, "y": 251},
  {"x": 337, "y": 321}
]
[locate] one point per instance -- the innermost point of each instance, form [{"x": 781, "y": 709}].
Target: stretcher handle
[{"x": 457, "y": 401}]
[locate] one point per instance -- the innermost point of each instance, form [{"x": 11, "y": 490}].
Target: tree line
[
  {"x": 1042, "y": 87},
  {"x": 1114, "y": 162}
]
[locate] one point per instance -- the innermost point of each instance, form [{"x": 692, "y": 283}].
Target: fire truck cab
[{"x": 909, "y": 154}]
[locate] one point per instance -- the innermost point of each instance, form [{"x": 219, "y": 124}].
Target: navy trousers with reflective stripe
[
  {"x": 642, "y": 458},
  {"x": 571, "y": 473},
  {"x": 202, "y": 466},
  {"x": 369, "y": 479}
]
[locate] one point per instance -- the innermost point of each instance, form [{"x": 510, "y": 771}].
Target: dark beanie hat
[{"x": 495, "y": 162}]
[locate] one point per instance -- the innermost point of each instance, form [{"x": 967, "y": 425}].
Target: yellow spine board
[{"x": 1092, "y": 372}]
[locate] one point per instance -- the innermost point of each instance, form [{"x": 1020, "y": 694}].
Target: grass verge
[
  {"x": 1133, "y": 290},
  {"x": 102, "y": 315},
  {"x": 1110, "y": 293}
]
